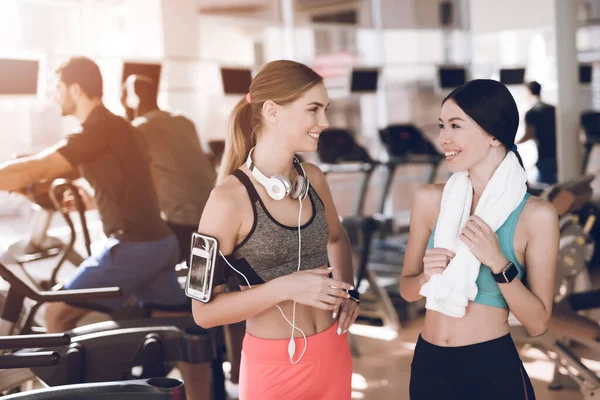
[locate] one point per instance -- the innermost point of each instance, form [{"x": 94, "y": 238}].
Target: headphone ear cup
[
  {"x": 299, "y": 188},
  {"x": 278, "y": 188}
]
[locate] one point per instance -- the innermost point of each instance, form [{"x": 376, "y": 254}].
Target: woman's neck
[
  {"x": 273, "y": 160},
  {"x": 481, "y": 173}
]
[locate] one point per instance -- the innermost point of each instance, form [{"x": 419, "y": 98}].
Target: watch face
[{"x": 508, "y": 274}]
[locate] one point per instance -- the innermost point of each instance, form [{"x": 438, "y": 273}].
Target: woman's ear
[
  {"x": 270, "y": 110},
  {"x": 495, "y": 142}
]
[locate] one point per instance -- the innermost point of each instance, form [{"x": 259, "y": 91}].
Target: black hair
[
  {"x": 85, "y": 73},
  {"x": 535, "y": 88},
  {"x": 490, "y": 104},
  {"x": 145, "y": 88}
]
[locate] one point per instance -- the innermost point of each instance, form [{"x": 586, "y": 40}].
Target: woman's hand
[
  {"x": 349, "y": 312},
  {"x": 435, "y": 262},
  {"x": 314, "y": 288},
  {"x": 483, "y": 243}
]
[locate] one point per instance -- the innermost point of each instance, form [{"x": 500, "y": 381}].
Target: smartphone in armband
[{"x": 203, "y": 259}]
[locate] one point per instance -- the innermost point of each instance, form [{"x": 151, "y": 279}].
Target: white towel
[{"x": 450, "y": 291}]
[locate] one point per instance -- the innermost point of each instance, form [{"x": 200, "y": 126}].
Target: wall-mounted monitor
[
  {"x": 452, "y": 77},
  {"x": 149, "y": 70},
  {"x": 236, "y": 80},
  {"x": 512, "y": 76},
  {"x": 585, "y": 73},
  {"x": 364, "y": 80},
  {"x": 18, "y": 77}
]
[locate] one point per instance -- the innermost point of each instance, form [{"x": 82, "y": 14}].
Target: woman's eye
[
  {"x": 313, "y": 109},
  {"x": 454, "y": 126},
  {"x": 441, "y": 126}
]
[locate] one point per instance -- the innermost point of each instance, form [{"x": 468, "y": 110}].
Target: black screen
[
  {"x": 585, "y": 74},
  {"x": 18, "y": 77},
  {"x": 452, "y": 77},
  {"x": 151, "y": 71},
  {"x": 512, "y": 76},
  {"x": 364, "y": 80},
  {"x": 236, "y": 80}
]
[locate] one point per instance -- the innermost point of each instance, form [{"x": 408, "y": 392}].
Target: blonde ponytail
[{"x": 240, "y": 139}]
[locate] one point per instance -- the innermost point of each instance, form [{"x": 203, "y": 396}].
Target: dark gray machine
[
  {"x": 151, "y": 344},
  {"x": 153, "y": 388}
]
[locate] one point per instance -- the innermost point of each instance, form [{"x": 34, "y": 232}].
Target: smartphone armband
[{"x": 204, "y": 270}]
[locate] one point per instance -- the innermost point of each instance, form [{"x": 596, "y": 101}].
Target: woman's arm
[
  {"x": 533, "y": 305},
  {"x": 222, "y": 219},
  {"x": 425, "y": 204},
  {"x": 339, "y": 249}
]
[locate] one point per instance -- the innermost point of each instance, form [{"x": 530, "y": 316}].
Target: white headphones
[{"x": 278, "y": 187}]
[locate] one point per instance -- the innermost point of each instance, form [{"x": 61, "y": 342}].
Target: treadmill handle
[
  {"x": 34, "y": 341},
  {"x": 347, "y": 167},
  {"x": 30, "y": 360},
  {"x": 80, "y": 294}
]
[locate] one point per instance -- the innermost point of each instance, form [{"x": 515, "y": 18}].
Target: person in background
[
  {"x": 140, "y": 251},
  {"x": 183, "y": 173},
  {"x": 540, "y": 125}
]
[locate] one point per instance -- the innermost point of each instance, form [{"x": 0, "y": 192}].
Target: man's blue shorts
[{"x": 145, "y": 270}]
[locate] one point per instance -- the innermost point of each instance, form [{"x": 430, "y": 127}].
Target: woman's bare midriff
[
  {"x": 270, "y": 323},
  {"x": 480, "y": 323}
]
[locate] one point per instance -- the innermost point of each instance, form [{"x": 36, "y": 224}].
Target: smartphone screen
[{"x": 202, "y": 262}]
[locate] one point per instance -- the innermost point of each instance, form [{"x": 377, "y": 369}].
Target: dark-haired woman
[{"x": 470, "y": 242}]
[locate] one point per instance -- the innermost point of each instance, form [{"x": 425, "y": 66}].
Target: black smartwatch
[
  {"x": 507, "y": 275},
  {"x": 354, "y": 295}
]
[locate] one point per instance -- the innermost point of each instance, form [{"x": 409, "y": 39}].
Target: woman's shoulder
[
  {"x": 429, "y": 195},
  {"x": 313, "y": 172},
  {"x": 228, "y": 193},
  {"x": 314, "y": 175},
  {"x": 538, "y": 213},
  {"x": 427, "y": 201}
]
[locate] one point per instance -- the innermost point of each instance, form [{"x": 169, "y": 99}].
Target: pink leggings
[{"x": 323, "y": 373}]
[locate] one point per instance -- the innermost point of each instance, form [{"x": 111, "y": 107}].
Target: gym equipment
[
  {"x": 40, "y": 246},
  {"x": 184, "y": 326},
  {"x": 572, "y": 276},
  {"x": 57, "y": 190},
  {"x": 142, "y": 389},
  {"x": 406, "y": 144},
  {"x": 150, "y": 344},
  {"x": 153, "y": 388}
]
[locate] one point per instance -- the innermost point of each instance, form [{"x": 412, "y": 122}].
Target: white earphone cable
[{"x": 292, "y": 345}]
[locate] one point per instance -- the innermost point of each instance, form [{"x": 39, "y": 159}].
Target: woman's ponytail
[{"x": 240, "y": 139}]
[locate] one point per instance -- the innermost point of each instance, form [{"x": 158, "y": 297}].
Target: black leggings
[{"x": 490, "y": 370}]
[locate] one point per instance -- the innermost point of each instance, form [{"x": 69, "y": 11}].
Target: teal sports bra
[{"x": 488, "y": 292}]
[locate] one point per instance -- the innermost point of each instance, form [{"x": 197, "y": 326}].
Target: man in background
[
  {"x": 183, "y": 173},
  {"x": 540, "y": 125}
]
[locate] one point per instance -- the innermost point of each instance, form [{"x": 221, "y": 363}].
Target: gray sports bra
[{"x": 270, "y": 249}]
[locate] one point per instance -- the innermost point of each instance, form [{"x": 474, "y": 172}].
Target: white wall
[{"x": 494, "y": 15}]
